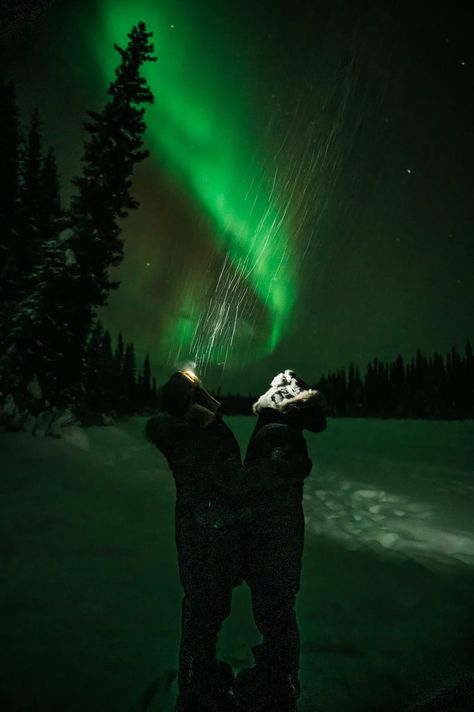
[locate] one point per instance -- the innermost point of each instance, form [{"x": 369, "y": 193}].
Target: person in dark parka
[
  {"x": 276, "y": 465},
  {"x": 205, "y": 460}
]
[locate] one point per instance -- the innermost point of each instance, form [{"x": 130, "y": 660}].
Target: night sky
[{"x": 309, "y": 196}]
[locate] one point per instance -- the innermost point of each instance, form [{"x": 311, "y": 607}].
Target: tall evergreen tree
[
  {"x": 129, "y": 373},
  {"x": 92, "y": 369},
  {"x": 397, "y": 395},
  {"x": 62, "y": 274},
  {"x": 112, "y": 150},
  {"x": 146, "y": 382},
  {"x": 138, "y": 396},
  {"x": 9, "y": 179},
  {"x": 40, "y": 333},
  {"x": 107, "y": 363},
  {"x": 38, "y": 328},
  {"x": 119, "y": 353},
  {"x": 469, "y": 380},
  {"x": 49, "y": 210},
  {"x": 29, "y": 229}
]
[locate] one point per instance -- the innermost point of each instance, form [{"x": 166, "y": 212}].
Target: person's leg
[
  {"x": 273, "y": 554},
  {"x": 207, "y": 567},
  {"x": 202, "y": 615}
]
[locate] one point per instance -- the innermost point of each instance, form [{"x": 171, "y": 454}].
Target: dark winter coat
[
  {"x": 277, "y": 460},
  {"x": 204, "y": 458}
]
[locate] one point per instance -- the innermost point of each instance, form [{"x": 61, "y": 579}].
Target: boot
[
  {"x": 253, "y": 687},
  {"x": 212, "y": 690},
  {"x": 255, "y": 694},
  {"x": 222, "y": 701},
  {"x": 256, "y": 682},
  {"x": 265, "y": 687},
  {"x": 220, "y": 695},
  {"x": 286, "y": 693}
]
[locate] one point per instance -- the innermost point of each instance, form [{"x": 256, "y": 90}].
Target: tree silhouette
[
  {"x": 112, "y": 150},
  {"x": 54, "y": 266},
  {"x": 425, "y": 387},
  {"x": 9, "y": 180}
]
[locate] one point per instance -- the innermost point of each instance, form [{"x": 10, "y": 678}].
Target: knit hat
[{"x": 287, "y": 391}]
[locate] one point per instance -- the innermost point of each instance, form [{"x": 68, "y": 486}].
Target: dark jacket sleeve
[
  {"x": 225, "y": 462},
  {"x": 157, "y": 433},
  {"x": 171, "y": 439},
  {"x": 289, "y": 454},
  {"x": 277, "y": 454}
]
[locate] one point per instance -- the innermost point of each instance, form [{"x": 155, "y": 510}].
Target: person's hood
[{"x": 287, "y": 391}]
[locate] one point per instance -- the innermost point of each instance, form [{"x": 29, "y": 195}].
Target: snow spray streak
[{"x": 201, "y": 125}]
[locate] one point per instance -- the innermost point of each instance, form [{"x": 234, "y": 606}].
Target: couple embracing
[{"x": 238, "y": 522}]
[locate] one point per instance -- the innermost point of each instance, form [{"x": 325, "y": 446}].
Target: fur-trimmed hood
[{"x": 287, "y": 391}]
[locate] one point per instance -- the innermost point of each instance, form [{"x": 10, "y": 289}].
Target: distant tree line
[
  {"x": 431, "y": 387},
  {"x": 55, "y": 261},
  {"x": 114, "y": 383},
  {"x": 437, "y": 387}
]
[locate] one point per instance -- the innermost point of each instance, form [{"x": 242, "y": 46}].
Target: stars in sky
[{"x": 295, "y": 118}]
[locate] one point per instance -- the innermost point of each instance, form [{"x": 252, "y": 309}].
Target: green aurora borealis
[
  {"x": 211, "y": 151},
  {"x": 205, "y": 126},
  {"x": 307, "y": 199}
]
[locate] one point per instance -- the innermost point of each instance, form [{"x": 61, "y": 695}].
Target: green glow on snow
[{"x": 201, "y": 129}]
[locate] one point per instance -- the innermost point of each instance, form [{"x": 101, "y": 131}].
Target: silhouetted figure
[
  {"x": 276, "y": 465},
  {"x": 205, "y": 460}
]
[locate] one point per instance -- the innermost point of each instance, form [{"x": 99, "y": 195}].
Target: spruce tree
[
  {"x": 61, "y": 266},
  {"x": 351, "y": 391},
  {"x": 49, "y": 210},
  {"x": 38, "y": 331},
  {"x": 359, "y": 392},
  {"x": 29, "y": 229},
  {"x": 92, "y": 366},
  {"x": 113, "y": 148},
  {"x": 146, "y": 382},
  {"x": 370, "y": 389},
  {"x": 397, "y": 396},
  {"x": 341, "y": 393},
  {"x": 138, "y": 396},
  {"x": 469, "y": 380},
  {"x": 107, "y": 372},
  {"x": 9, "y": 182},
  {"x": 119, "y": 354},
  {"x": 129, "y": 377},
  {"x": 118, "y": 359}
]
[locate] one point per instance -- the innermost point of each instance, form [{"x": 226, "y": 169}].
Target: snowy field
[{"x": 90, "y": 598}]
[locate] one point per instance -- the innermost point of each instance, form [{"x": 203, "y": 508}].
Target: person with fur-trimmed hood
[
  {"x": 205, "y": 460},
  {"x": 276, "y": 465}
]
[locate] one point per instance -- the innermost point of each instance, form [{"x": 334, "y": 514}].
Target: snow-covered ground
[
  {"x": 404, "y": 486},
  {"x": 90, "y": 598}
]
